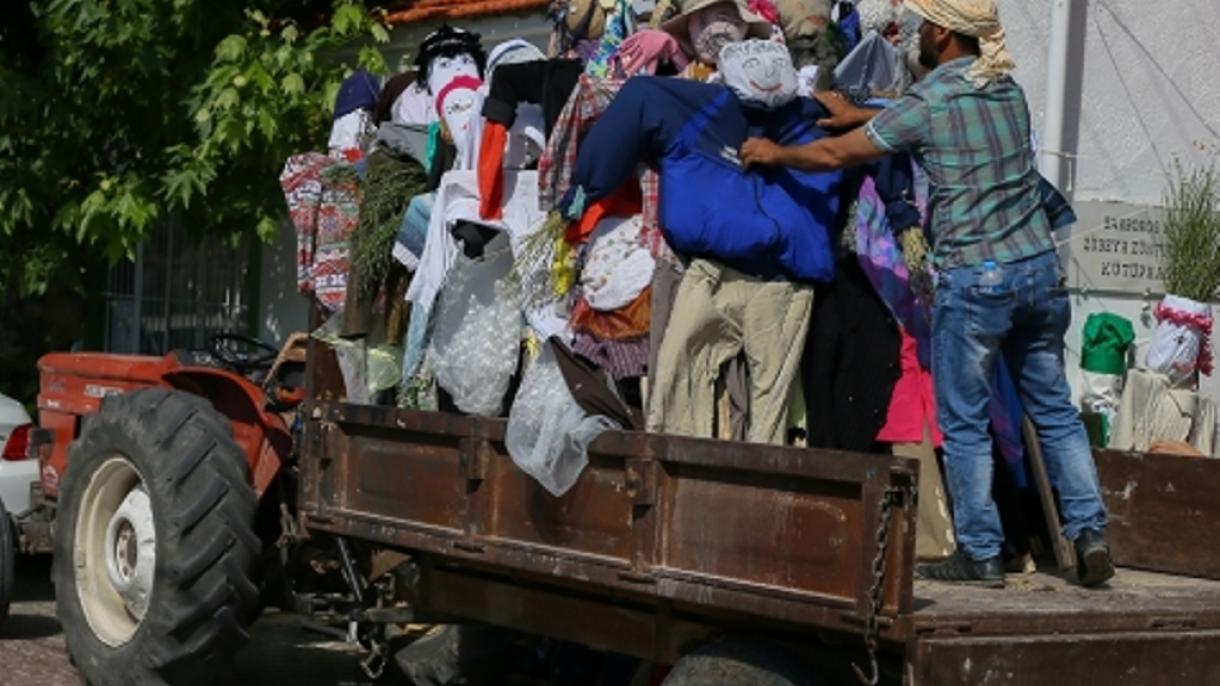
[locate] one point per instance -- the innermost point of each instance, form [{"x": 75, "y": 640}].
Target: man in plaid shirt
[{"x": 998, "y": 287}]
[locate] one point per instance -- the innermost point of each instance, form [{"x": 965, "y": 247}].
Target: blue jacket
[{"x": 771, "y": 223}]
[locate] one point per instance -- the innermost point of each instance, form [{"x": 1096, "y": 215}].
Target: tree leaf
[{"x": 231, "y": 48}]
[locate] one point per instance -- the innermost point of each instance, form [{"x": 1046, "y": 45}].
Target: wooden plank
[
  {"x": 1154, "y": 658},
  {"x": 1134, "y": 600},
  {"x": 1164, "y": 511},
  {"x": 1065, "y": 556}
]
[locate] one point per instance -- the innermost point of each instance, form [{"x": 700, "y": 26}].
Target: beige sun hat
[
  {"x": 586, "y": 19},
  {"x": 679, "y": 26}
]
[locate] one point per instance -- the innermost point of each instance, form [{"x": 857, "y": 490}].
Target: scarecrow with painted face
[
  {"x": 451, "y": 62},
  {"x": 706, "y": 26}
]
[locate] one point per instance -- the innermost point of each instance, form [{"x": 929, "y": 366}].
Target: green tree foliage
[{"x": 115, "y": 114}]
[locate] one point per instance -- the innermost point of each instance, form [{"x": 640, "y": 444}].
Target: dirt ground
[{"x": 32, "y": 646}]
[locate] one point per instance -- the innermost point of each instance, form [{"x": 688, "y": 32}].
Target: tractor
[{"x": 164, "y": 486}]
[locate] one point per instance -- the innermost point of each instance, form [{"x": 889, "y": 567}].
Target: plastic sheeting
[
  {"x": 366, "y": 369},
  {"x": 548, "y": 434},
  {"x": 871, "y": 70},
  {"x": 477, "y": 327}
]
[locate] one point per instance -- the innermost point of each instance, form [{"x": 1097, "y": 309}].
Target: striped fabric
[
  {"x": 622, "y": 359},
  {"x": 974, "y": 145}
]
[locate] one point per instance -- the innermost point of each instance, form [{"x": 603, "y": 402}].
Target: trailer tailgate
[{"x": 781, "y": 533}]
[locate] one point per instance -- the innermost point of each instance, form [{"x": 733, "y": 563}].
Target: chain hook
[{"x": 872, "y": 665}]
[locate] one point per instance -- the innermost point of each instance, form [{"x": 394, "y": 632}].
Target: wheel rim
[{"x": 114, "y": 555}]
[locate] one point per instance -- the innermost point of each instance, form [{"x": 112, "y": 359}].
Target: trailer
[
  {"x": 669, "y": 544},
  {"x": 182, "y": 498}
]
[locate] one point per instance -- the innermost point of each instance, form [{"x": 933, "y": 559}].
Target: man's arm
[
  {"x": 824, "y": 154},
  {"x": 843, "y": 115}
]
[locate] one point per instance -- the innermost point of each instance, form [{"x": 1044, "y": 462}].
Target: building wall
[
  {"x": 1145, "y": 88},
  {"x": 1143, "y": 93},
  {"x": 532, "y": 26}
]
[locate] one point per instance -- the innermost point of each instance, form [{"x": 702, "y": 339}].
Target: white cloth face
[
  {"x": 442, "y": 70},
  {"x": 759, "y": 71},
  {"x": 461, "y": 112}
]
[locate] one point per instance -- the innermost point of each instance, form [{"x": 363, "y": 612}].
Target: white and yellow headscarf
[{"x": 976, "y": 18}]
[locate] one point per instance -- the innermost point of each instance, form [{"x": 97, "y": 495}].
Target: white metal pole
[{"x": 1052, "y": 162}]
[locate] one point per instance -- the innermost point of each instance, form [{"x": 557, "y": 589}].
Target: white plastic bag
[
  {"x": 476, "y": 331},
  {"x": 1101, "y": 394},
  {"x": 1180, "y": 345},
  {"x": 548, "y": 434}
]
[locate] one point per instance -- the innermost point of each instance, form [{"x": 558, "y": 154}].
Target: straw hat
[
  {"x": 679, "y": 26},
  {"x": 586, "y": 19}
]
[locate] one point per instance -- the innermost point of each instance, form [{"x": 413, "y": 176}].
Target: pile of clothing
[{"x": 570, "y": 240}]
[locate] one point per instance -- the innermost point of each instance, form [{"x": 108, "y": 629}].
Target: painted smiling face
[
  {"x": 458, "y": 105},
  {"x": 444, "y": 69},
  {"x": 759, "y": 71},
  {"x": 713, "y": 27}
]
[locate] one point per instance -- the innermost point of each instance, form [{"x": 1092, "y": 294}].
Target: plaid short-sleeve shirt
[{"x": 974, "y": 144}]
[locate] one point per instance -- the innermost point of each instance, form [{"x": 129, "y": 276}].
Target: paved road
[{"x": 280, "y": 652}]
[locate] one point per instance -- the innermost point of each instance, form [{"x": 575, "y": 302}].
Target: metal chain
[
  {"x": 375, "y": 662},
  {"x": 872, "y": 627}
]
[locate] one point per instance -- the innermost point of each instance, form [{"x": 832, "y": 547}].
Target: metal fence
[{"x": 177, "y": 293}]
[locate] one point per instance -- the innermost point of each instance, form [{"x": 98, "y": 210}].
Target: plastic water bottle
[{"x": 991, "y": 277}]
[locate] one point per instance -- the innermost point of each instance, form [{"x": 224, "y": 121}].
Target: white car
[{"x": 17, "y": 470}]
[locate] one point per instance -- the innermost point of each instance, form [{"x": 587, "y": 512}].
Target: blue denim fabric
[
  {"x": 417, "y": 342},
  {"x": 1024, "y": 318},
  {"x": 413, "y": 230}
]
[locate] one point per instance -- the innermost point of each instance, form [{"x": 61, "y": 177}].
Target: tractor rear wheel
[
  {"x": 155, "y": 550},
  {"x": 739, "y": 663}
]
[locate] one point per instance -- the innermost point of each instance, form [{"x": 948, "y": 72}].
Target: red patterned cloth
[{"x": 323, "y": 196}]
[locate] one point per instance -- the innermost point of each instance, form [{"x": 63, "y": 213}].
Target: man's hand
[
  {"x": 759, "y": 152},
  {"x": 843, "y": 114}
]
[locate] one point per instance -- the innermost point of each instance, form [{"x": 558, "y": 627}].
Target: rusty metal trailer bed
[{"x": 666, "y": 542}]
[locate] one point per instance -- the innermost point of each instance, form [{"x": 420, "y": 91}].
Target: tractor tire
[
  {"x": 8, "y": 551},
  {"x": 155, "y": 552},
  {"x": 739, "y": 663}
]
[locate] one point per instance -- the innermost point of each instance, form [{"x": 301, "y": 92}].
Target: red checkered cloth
[
  {"x": 651, "y": 236},
  {"x": 589, "y": 99}
]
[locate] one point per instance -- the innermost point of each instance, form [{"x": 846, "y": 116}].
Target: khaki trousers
[
  {"x": 933, "y": 526},
  {"x": 718, "y": 313}
]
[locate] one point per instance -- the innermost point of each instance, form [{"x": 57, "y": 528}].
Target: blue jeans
[{"x": 1024, "y": 318}]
